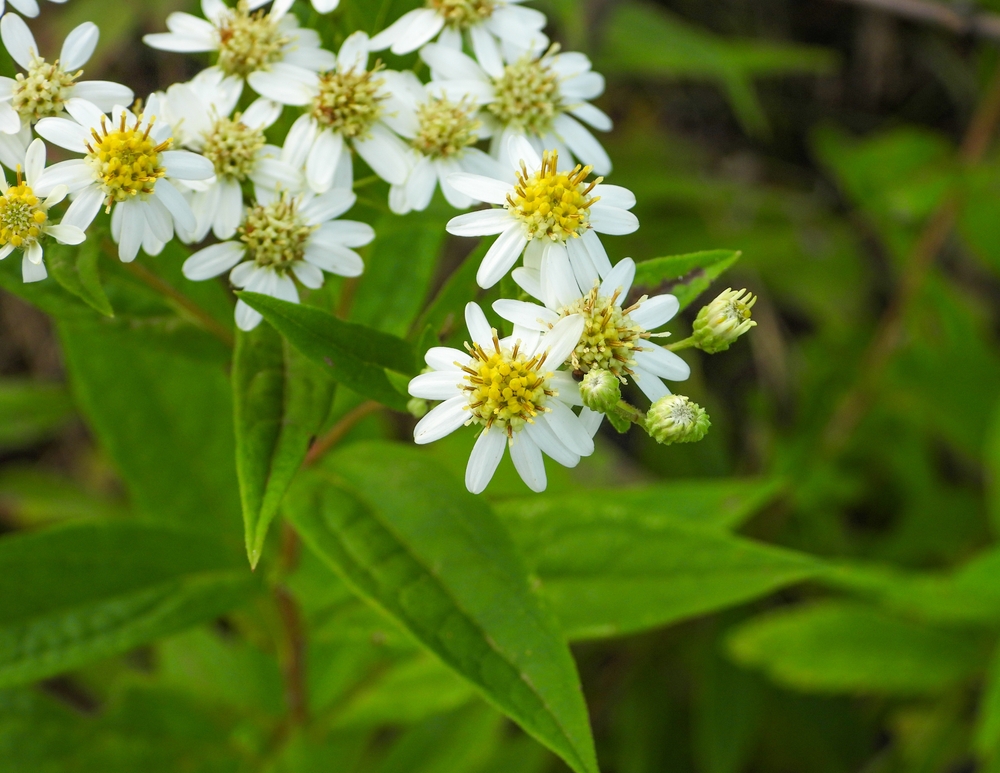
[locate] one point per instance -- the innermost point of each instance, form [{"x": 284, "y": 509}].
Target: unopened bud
[
  {"x": 675, "y": 419},
  {"x": 418, "y": 407},
  {"x": 600, "y": 391},
  {"x": 723, "y": 321}
]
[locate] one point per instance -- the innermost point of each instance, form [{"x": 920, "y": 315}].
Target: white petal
[
  {"x": 662, "y": 363},
  {"x": 458, "y": 66},
  {"x": 104, "y": 94},
  {"x": 529, "y": 315},
  {"x": 441, "y": 421},
  {"x": 261, "y": 114},
  {"x": 10, "y": 121},
  {"x": 34, "y": 163},
  {"x": 323, "y": 159},
  {"x": 240, "y": 275},
  {"x": 181, "y": 44},
  {"x": 594, "y": 116},
  {"x": 213, "y": 261},
  {"x": 64, "y": 133},
  {"x": 439, "y": 385},
  {"x": 32, "y": 272},
  {"x": 559, "y": 285},
  {"x": 79, "y": 46},
  {"x": 615, "y": 196},
  {"x": 18, "y": 40},
  {"x": 487, "y": 51},
  {"x": 393, "y": 32},
  {"x": 501, "y": 256},
  {"x": 335, "y": 259},
  {"x": 133, "y": 228},
  {"x": 159, "y": 221},
  {"x": 299, "y": 141},
  {"x": 277, "y": 85},
  {"x": 485, "y": 222},
  {"x": 484, "y": 460},
  {"x": 327, "y": 206},
  {"x": 310, "y": 275},
  {"x": 591, "y": 420},
  {"x": 587, "y": 149},
  {"x": 568, "y": 387},
  {"x": 424, "y": 25},
  {"x": 583, "y": 267},
  {"x": 479, "y": 327},
  {"x": 613, "y": 221},
  {"x": 176, "y": 204},
  {"x": 353, "y": 53},
  {"x": 229, "y": 209},
  {"x": 550, "y": 445},
  {"x": 528, "y": 461},
  {"x": 620, "y": 279},
  {"x": 185, "y": 165},
  {"x": 84, "y": 208},
  {"x": 421, "y": 184},
  {"x": 481, "y": 188},
  {"x": 560, "y": 342},
  {"x": 520, "y": 150},
  {"x": 445, "y": 358},
  {"x": 598, "y": 255},
  {"x": 247, "y": 318},
  {"x": 529, "y": 281},
  {"x": 650, "y": 385},
  {"x": 385, "y": 153},
  {"x": 655, "y": 312},
  {"x": 345, "y": 232},
  {"x": 568, "y": 428}
]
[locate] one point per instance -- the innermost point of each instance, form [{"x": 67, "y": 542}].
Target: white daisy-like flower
[
  {"x": 616, "y": 337},
  {"x": 537, "y": 96},
  {"x": 24, "y": 217},
  {"x": 235, "y": 144},
  {"x": 127, "y": 166},
  {"x": 441, "y": 134},
  {"x": 248, "y": 42},
  {"x": 555, "y": 214},
  {"x": 488, "y": 25},
  {"x": 282, "y": 236},
  {"x": 27, "y": 7},
  {"x": 348, "y": 106},
  {"x": 321, "y": 6},
  {"x": 44, "y": 87},
  {"x": 511, "y": 388}
]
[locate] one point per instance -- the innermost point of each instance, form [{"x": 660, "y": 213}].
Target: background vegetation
[{"x": 814, "y": 587}]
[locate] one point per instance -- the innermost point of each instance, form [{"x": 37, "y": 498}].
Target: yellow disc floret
[
  {"x": 505, "y": 388},
  {"x": 22, "y": 215},
  {"x": 349, "y": 102},
  {"x": 610, "y": 337},
  {"x": 462, "y": 14},
  {"x": 126, "y": 159},
  {"x": 43, "y": 90},
  {"x": 446, "y": 128},
  {"x": 232, "y": 147},
  {"x": 276, "y": 234},
  {"x": 248, "y": 41},
  {"x": 553, "y": 204},
  {"x": 527, "y": 95}
]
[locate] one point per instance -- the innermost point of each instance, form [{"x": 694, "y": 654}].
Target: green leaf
[
  {"x": 31, "y": 496},
  {"x": 164, "y": 418},
  {"x": 611, "y": 569},
  {"x": 843, "y": 647},
  {"x": 461, "y": 742},
  {"x": 281, "y": 400},
  {"x": 992, "y": 465},
  {"x": 74, "y": 594},
  {"x": 75, "y": 268},
  {"x": 685, "y": 276},
  {"x": 987, "y": 733},
  {"x": 436, "y": 559},
  {"x": 31, "y": 411},
  {"x": 356, "y": 356}
]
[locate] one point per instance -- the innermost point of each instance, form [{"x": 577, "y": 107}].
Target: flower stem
[
  {"x": 687, "y": 343},
  {"x": 339, "y": 430}
]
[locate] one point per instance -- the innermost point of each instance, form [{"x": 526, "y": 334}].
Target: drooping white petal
[
  {"x": 567, "y": 386},
  {"x": 385, "y": 153},
  {"x": 549, "y": 444},
  {"x": 159, "y": 221},
  {"x": 84, "y": 208},
  {"x": 591, "y": 421},
  {"x": 501, "y": 256},
  {"x": 598, "y": 254},
  {"x": 441, "y": 421},
  {"x": 133, "y": 228},
  {"x": 484, "y": 460},
  {"x": 650, "y": 385},
  {"x": 528, "y": 461},
  {"x": 568, "y": 428},
  {"x": 311, "y": 276},
  {"x": 32, "y": 272},
  {"x": 322, "y": 160},
  {"x": 583, "y": 267},
  {"x": 583, "y": 144},
  {"x": 559, "y": 285},
  {"x": 229, "y": 209},
  {"x": 34, "y": 162},
  {"x": 421, "y": 184}
]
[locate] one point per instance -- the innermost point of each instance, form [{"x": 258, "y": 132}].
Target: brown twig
[
  {"x": 890, "y": 333},
  {"x": 979, "y": 24},
  {"x": 294, "y": 660},
  {"x": 146, "y": 276},
  {"x": 339, "y": 430}
]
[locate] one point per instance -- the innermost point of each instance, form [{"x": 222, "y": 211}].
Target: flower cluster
[{"x": 502, "y": 125}]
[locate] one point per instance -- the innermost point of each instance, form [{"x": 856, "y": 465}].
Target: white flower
[
  {"x": 348, "y": 106},
  {"x": 249, "y": 43},
  {"x": 128, "y": 166},
  {"x": 235, "y": 145},
  {"x": 285, "y": 235},
  {"x": 555, "y": 214},
  {"x": 539, "y": 97},
  {"x": 43, "y": 89},
  {"x": 24, "y": 218},
  {"x": 27, "y": 7},
  {"x": 512, "y": 390},
  {"x": 321, "y": 6},
  {"x": 487, "y": 24},
  {"x": 616, "y": 338},
  {"x": 441, "y": 134}
]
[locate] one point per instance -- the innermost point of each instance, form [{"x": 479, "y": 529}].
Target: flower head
[
  {"x": 27, "y": 8},
  {"x": 675, "y": 419},
  {"x": 44, "y": 88},
  {"x": 600, "y": 391},
  {"x": 724, "y": 320},
  {"x": 512, "y": 389},
  {"x": 24, "y": 216},
  {"x": 284, "y": 237},
  {"x": 554, "y": 213}
]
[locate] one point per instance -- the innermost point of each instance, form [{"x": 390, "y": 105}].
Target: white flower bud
[
  {"x": 724, "y": 320},
  {"x": 675, "y": 419},
  {"x": 600, "y": 391}
]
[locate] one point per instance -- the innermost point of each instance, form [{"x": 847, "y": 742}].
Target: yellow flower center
[
  {"x": 504, "y": 388},
  {"x": 527, "y": 95},
  {"x": 275, "y": 233},
  {"x": 553, "y": 204},
  {"x": 21, "y": 215},
  {"x": 43, "y": 90},
  {"x": 349, "y": 102},
  {"x": 446, "y": 128},
  {"x": 463, "y": 13},
  {"x": 249, "y": 42},
  {"x": 610, "y": 337},
  {"x": 232, "y": 147},
  {"x": 126, "y": 159}
]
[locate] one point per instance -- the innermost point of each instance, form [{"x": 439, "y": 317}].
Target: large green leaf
[
  {"x": 75, "y": 268},
  {"x": 842, "y": 647},
  {"x": 73, "y": 594},
  {"x": 31, "y": 411},
  {"x": 685, "y": 276},
  {"x": 165, "y": 419},
  {"x": 611, "y": 570},
  {"x": 410, "y": 539},
  {"x": 281, "y": 400},
  {"x": 355, "y": 356}
]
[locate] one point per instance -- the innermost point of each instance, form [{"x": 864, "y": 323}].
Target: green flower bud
[
  {"x": 601, "y": 391},
  {"x": 418, "y": 407},
  {"x": 675, "y": 419},
  {"x": 723, "y": 321}
]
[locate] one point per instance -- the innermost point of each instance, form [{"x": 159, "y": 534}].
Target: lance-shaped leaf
[
  {"x": 411, "y": 540},
  {"x": 686, "y": 276},
  {"x": 280, "y": 400},
  {"x": 74, "y": 594},
  {"x": 355, "y": 356}
]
